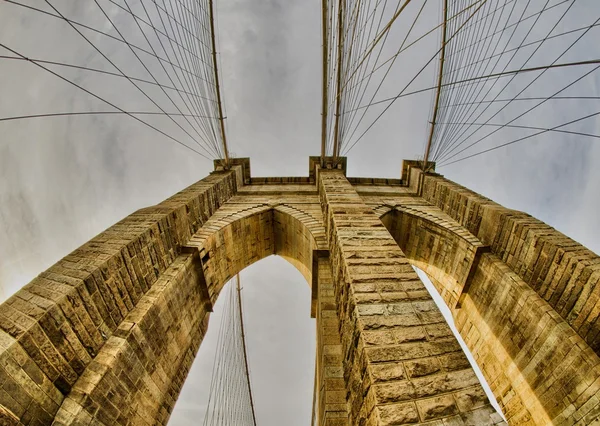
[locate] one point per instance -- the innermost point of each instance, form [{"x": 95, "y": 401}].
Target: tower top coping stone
[{"x": 329, "y": 163}]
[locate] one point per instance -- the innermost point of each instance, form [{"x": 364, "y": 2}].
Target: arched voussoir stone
[
  {"x": 436, "y": 244},
  {"x": 139, "y": 372},
  {"x": 562, "y": 272},
  {"x": 231, "y": 241}
]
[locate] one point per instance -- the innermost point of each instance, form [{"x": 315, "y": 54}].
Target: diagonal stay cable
[
  {"x": 556, "y": 98},
  {"x": 540, "y": 40},
  {"x": 197, "y": 112},
  {"x": 454, "y": 141},
  {"x": 97, "y": 70},
  {"x": 447, "y": 163},
  {"x": 447, "y": 139},
  {"x": 148, "y": 23},
  {"x": 544, "y": 69},
  {"x": 355, "y": 90},
  {"x": 87, "y": 27},
  {"x": 76, "y": 113},
  {"x": 526, "y": 112},
  {"x": 189, "y": 81},
  {"x": 142, "y": 63},
  {"x": 474, "y": 79},
  {"x": 456, "y": 114},
  {"x": 422, "y": 37},
  {"x": 117, "y": 68},
  {"x": 516, "y": 126},
  {"x": 203, "y": 106},
  {"x": 104, "y": 100},
  {"x": 380, "y": 35},
  {"x": 192, "y": 61},
  {"x": 415, "y": 77},
  {"x": 523, "y": 19},
  {"x": 353, "y": 111}
]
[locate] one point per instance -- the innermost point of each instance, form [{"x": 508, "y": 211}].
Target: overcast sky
[{"x": 63, "y": 180}]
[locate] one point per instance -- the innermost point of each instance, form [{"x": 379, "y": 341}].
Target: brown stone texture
[
  {"x": 108, "y": 334},
  {"x": 53, "y": 328},
  {"x": 249, "y": 228},
  {"x": 330, "y": 384},
  {"x": 561, "y": 271},
  {"x": 436, "y": 244},
  {"x": 136, "y": 377},
  {"x": 398, "y": 351}
]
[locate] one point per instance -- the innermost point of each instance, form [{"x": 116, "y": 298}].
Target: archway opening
[
  {"x": 241, "y": 238},
  {"x": 280, "y": 337}
]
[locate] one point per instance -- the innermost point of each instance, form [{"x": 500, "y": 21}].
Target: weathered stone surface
[
  {"x": 365, "y": 255},
  {"x": 56, "y": 325},
  {"x": 561, "y": 271},
  {"x": 107, "y": 335},
  {"x": 132, "y": 377},
  {"x": 330, "y": 383}
]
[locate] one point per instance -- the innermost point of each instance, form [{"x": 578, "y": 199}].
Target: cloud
[
  {"x": 63, "y": 180},
  {"x": 281, "y": 348}
]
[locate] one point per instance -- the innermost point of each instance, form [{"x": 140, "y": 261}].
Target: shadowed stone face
[{"x": 107, "y": 335}]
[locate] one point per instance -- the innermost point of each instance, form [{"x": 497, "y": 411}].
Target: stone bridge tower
[{"x": 107, "y": 335}]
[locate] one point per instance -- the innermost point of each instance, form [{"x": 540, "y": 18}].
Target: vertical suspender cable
[
  {"x": 325, "y": 5},
  {"x": 218, "y": 89},
  {"x": 237, "y": 281},
  {"x": 338, "y": 96},
  {"x": 439, "y": 86}
]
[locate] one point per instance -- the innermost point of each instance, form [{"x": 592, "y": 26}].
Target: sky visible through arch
[
  {"x": 63, "y": 180},
  {"x": 281, "y": 343}
]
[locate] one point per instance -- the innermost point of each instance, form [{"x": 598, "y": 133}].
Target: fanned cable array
[
  {"x": 519, "y": 71},
  {"x": 230, "y": 399},
  {"x": 505, "y": 71},
  {"x": 364, "y": 42},
  {"x": 163, "y": 53}
]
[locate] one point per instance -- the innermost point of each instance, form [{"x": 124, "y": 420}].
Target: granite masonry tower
[{"x": 107, "y": 335}]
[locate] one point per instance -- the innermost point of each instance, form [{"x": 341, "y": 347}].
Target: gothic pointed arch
[
  {"x": 231, "y": 241},
  {"x": 437, "y": 245},
  {"x": 108, "y": 334},
  {"x": 226, "y": 243}
]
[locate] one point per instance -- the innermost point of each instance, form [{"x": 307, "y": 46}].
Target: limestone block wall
[
  {"x": 137, "y": 375},
  {"x": 401, "y": 363},
  {"x": 539, "y": 368},
  {"x": 561, "y": 271},
  {"x": 440, "y": 247},
  {"x": 330, "y": 385},
  {"x": 248, "y": 228},
  {"x": 53, "y": 328}
]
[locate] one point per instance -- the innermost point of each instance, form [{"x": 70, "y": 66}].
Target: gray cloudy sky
[{"x": 63, "y": 180}]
